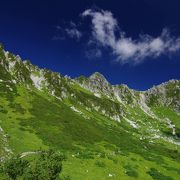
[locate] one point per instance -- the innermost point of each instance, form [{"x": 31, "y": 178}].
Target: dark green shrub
[
  {"x": 46, "y": 166},
  {"x": 100, "y": 164},
  {"x": 156, "y": 175},
  {"x": 130, "y": 171},
  {"x": 15, "y": 167}
]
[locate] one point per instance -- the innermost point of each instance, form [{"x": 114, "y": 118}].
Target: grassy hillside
[
  {"x": 102, "y": 136},
  {"x": 97, "y": 147}
]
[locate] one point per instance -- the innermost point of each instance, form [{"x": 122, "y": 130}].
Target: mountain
[{"x": 107, "y": 131}]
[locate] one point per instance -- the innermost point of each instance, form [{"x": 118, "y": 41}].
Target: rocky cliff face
[
  {"x": 166, "y": 94},
  {"x": 18, "y": 71}
]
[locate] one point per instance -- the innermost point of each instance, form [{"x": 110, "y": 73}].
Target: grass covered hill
[{"x": 106, "y": 131}]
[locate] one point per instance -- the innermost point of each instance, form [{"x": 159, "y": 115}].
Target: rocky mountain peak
[{"x": 98, "y": 77}]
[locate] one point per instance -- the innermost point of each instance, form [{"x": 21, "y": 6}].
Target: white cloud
[
  {"x": 104, "y": 26},
  {"x": 73, "y": 33},
  {"x": 127, "y": 50}
]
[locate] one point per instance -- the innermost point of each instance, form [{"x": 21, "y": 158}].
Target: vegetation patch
[
  {"x": 45, "y": 166},
  {"x": 130, "y": 171},
  {"x": 157, "y": 175},
  {"x": 100, "y": 164}
]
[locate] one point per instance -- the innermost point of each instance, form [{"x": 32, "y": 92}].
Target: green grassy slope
[
  {"x": 66, "y": 116},
  {"x": 96, "y": 147}
]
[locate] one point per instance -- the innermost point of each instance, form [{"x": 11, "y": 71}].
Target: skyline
[{"x": 70, "y": 39}]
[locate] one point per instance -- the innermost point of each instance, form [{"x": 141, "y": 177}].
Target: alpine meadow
[{"x": 98, "y": 130}]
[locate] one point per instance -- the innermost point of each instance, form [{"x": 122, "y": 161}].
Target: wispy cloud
[
  {"x": 93, "y": 53},
  {"x": 71, "y": 31},
  {"x": 128, "y": 50}
]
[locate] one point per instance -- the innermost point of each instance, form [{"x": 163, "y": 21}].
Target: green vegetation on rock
[{"x": 106, "y": 131}]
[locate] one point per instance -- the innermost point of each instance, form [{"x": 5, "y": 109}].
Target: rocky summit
[{"x": 106, "y": 131}]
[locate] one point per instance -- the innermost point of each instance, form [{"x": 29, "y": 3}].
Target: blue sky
[{"x": 135, "y": 42}]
